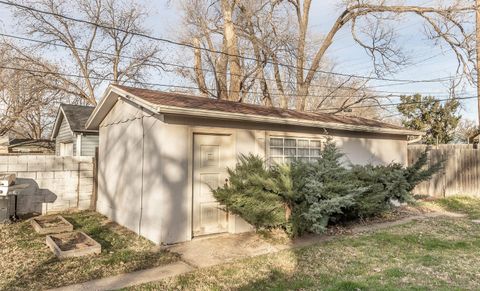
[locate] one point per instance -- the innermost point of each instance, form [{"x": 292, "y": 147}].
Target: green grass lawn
[
  {"x": 27, "y": 263},
  {"x": 461, "y": 204},
  {"x": 433, "y": 254}
]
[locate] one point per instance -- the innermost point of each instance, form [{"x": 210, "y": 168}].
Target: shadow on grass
[
  {"x": 413, "y": 256},
  {"x": 461, "y": 204},
  {"x": 90, "y": 223},
  {"x": 122, "y": 252},
  {"x": 278, "y": 280}
]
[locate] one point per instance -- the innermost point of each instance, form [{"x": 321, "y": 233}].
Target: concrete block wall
[{"x": 55, "y": 183}]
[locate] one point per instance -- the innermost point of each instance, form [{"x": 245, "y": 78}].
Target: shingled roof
[
  {"x": 76, "y": 117},
  {"x": 177, "y": 103}
]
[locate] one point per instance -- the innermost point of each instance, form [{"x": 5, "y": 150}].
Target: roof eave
[
  {"x": 98, "y": 108},
  {"x": 93, "y": 122},
  {"x": 56, "y": 126},
  {"x": 283, "y": 121},
  {"x": 100, "y": 112},
  {"x": 86, "y": 131}
]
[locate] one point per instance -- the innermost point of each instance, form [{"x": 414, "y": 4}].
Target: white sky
[{"x": 348, "y": 57}]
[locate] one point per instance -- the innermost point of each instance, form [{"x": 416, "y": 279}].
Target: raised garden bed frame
[
  {"x": 64, "y": 226},
  {"x": 95, "y": 249}
]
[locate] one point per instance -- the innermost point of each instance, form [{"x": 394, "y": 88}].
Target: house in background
[
  {"x": 10, "y": 145},
  {"x": 69, "y": 132},
  {"x": 474, "y": 140},
  {"x": 161, "y": 153}
]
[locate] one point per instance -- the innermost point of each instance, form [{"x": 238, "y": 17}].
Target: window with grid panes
[{"x": 286, "y": 149}]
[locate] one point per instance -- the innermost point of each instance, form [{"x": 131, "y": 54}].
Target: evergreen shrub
[{"x": 306, "y": 196}]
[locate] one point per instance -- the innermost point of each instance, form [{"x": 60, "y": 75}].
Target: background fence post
[
  {"x": 93, "y": 205},
  {"x": 460, "y": 174}
]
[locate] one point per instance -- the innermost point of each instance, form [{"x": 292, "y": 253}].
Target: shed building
[
  {"x": 69, "y": 132},
  {"x": 160, "y": 153}
]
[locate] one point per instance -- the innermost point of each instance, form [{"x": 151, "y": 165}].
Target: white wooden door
[{"x": 212, "y": 154}]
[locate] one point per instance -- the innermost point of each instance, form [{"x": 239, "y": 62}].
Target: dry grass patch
[
  {"x": 27, "y": 263},
  {"x": 461, "y": 204},
  {"x": 432, "y": 254}
]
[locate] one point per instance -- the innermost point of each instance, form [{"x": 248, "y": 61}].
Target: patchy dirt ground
[
  {"x": 466, "y": 205},
  {"x": 26, "y": 263},
  {"x": 438, "y": 253}
]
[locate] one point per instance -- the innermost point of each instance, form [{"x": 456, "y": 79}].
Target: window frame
[
  {"x": 283, "y": 158},
  {"x": 63, "y": 149}
]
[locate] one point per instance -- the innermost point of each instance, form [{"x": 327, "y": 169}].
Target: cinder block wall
[{"x": 55, "y": 183}]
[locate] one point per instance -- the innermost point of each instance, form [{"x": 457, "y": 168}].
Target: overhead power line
[
  {"x": 172, "y": 42},
  {"x": 397, "y": 104},
  {"x": 291, "y": 95},
  {"x": 187, "y": 87},
  {"x": 162, "y": 63},
  {"x": 175, "y": 86}
]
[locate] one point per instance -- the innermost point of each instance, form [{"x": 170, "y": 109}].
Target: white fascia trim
[
  {"x": 415, "y": 140},
  {"x": 244, "y": 117},
  {"x": 55, "y": 129},
  {"x": 283, "y": 121},
  {"x": 99, "y": 106},
  {"x": 56, "y": 126},
  {"x": 122, "y": 94},
  {"x": 138, "y": 101}
]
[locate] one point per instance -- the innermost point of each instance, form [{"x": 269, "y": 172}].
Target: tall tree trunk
[
  {"x": 303, "y": 13},
  {"x": 199, "y": 76},
  {"x": 260, "y": 64},
  {"x": 231, "y": 42},
  {"x": 302, "y": 93},
  {"x": 221, "y": 74},
  {"x": 279, "y": 82}
]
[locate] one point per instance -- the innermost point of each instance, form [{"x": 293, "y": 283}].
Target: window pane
[
  {"x": 290, "y": 142},
  {"x": 277, "y": 142},
  {"x": 290, "y": 152},
  {"x": 276, "y": 151},
  {"x": 315, "y": 143},
  {"x": 303, "y": 152},
  {"x": 302, "y": 143},
  {"x": 285, "y": 150}
]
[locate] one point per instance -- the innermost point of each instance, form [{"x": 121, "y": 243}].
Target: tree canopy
[{"x": 428, "y": 114}]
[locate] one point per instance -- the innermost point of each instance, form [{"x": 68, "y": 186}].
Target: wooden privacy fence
[{"x": 460, "y": 174}]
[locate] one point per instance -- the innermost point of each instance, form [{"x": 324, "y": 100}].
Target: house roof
[
  {"x": 76, "y": 117},
  {"x": 182, "y": 104},
  {"x": 43, "y": 143},
  {"x": 25, "y": 145}
]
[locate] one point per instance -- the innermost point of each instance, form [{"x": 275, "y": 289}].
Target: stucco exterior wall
[
  {"x": 359, "y": 147},
  {"x": 119, "y": 167},
  {"x": 145, "y": 165},
  {"x": 167, "y": 195},
  {"x": 372, "y": 149}
]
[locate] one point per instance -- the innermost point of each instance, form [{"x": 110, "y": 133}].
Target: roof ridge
[
  {"x": 76, "y": 105},
  {"x": 278, "y": 109}
]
